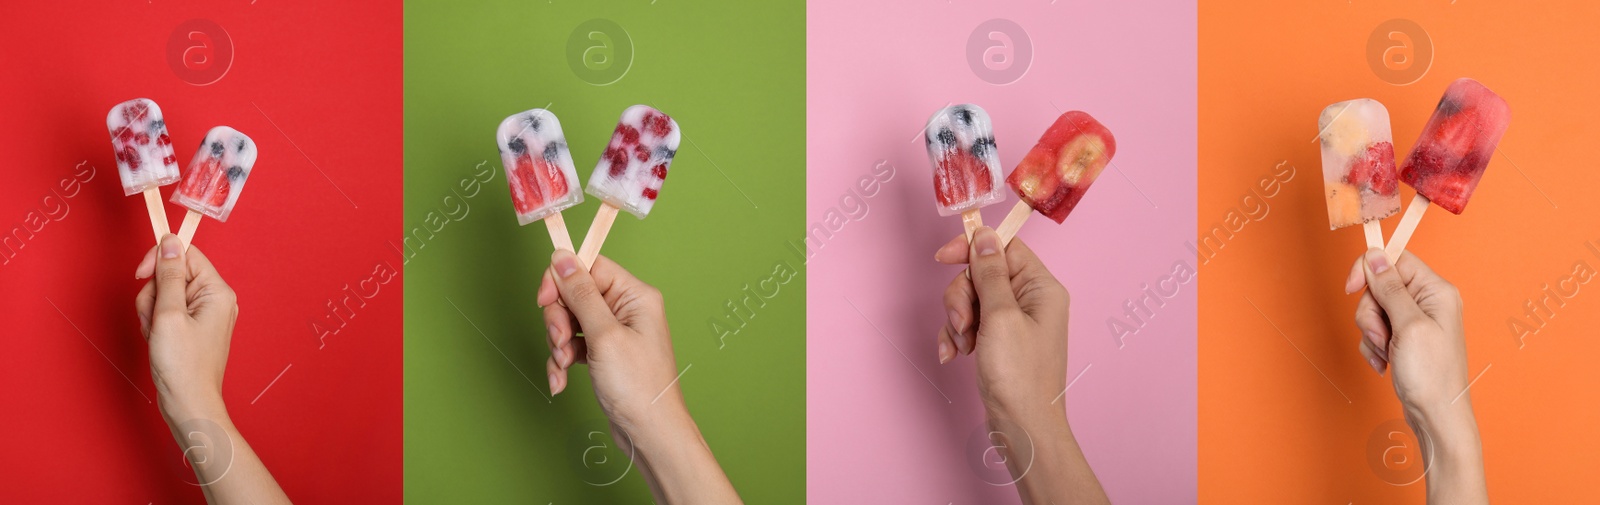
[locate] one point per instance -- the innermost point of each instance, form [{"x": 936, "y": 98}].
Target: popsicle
[
  {"x": 1358, "y": 173},
  {"x": 1448, "y": 160},
  {"x": 630, "y": 172},
  {"x": 215, "y": 177},
  {"x": 966, "y": 165},
  {"x": 144, "y": 155},
  {"x": 1056, "y": 173},
  {"x": 539, "y": 170}
]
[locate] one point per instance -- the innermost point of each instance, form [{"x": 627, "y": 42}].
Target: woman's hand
[
  {"x": 1410, "y": 321},
  {"x": 1012, "y": 314},
  {"x": 186, "y": 314},
  {"x": 628, "y": 348}
]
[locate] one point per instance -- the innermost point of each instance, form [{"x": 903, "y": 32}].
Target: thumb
[
  {"x": 581, "y": 294},
  {"x": 991, "y": 276},
  {"x": 1389, "y": 290},
  {"x": 172, "y": 277}
]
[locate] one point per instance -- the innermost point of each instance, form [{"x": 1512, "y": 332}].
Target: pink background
[{"x": 877, "y": 430}]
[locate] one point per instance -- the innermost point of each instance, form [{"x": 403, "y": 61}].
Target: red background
[{"x": 318, "y": 86}]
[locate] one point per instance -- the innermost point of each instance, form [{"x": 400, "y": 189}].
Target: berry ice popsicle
[
  {"x": 215, "y": 177},
  {"x": 1056, "y": 173},
  {"x": 1358, "y": 172},
  {"x": 966, "y": 164},
  {"x": 1449, "y": 159},
  {"x": 539, "y": 170},
  {"x": 631, "y": 171},
  {"x": 144, "y": 155}
]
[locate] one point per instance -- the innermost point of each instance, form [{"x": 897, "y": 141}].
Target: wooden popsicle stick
[
  {"x": 191, "y": 221},
  {"x": 971, "y": 220},
  {"x": 158, "y": 213},
  {"x": 597, "y": 234},
  {"x": 1374, "y": 234},
  {"x": 558, "y": 231},
  {"x": 1408, "y": 225},
  {"x": 1013, "y": 222}
]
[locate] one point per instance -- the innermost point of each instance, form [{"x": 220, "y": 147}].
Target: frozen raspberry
[
  {"x": 135, "y": 112},
  {"x": 651, "y": 193},
  {"x": 123, "y": 134},
  {"x": 660, "y": 171},
  {"x": 641, "y": 153},
  {"x": 170, "y": 160},
  {"x": 657, "y": 124},
  {"x": 618, "y": 159},
  {"x": 164, "y": 140},
  {"x": 142, "y": 138},
  {"x": 131, "y": 157},
  {"x": 628, "y": 133}
]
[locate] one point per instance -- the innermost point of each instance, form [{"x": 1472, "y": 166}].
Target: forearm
[
  {"x": 1044, "y": 458},
  {"x": 1453, "y": 452},
  {"x": 227, "y": 469},
  {"x": 676, "y": 462}
]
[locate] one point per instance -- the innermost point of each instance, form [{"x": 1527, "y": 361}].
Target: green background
[{"x": 478, "y": 427}]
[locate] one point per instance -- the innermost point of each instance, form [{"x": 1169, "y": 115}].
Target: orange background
[{"x": 1286, "y": 418}]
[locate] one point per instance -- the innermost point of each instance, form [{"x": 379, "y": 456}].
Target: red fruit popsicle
[
  {"x": 1056, "y": 173},
  {"x": 1449, "y": 159}
]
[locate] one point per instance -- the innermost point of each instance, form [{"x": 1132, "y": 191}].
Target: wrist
[{"x": 180, "y": 408}]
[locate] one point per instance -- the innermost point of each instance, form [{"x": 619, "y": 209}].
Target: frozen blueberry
[
  {"x": 964, "y": 114},
  {"x": 665, "y": 153},
  {"x": 216, "y": 149},
  {"x": 236, "y": 173},
  {"x": 552, "y": 152},
  {"x": 533, "y": 122},
  {"x": 947, "y": 138},
  {"x": 157, "y": 125},
  {"x": 243, "y": 144},
  {"x": 518, "y": 146},
  {"x": 982, "y": 147}
]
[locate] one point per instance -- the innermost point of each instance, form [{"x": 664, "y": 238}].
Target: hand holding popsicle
[
  {"x": 1411, "y": 322},
  {"x": 1057, "y": 172},
  {"x": 539, "y": 170},
  {"x": 1011, "y": 315},
  {"x": 187, "y": 314},
  {"x": 627, "y": 347},
  {"x": 1449, "y": 159},
  {"x": 144, "y": 155},
  {"x": 1358, "y": 171},
  {"x": 215, "y": 178},
  {"x": 966, "y": 164}
]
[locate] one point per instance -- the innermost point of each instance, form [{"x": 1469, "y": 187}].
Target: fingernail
[
  {"x": 955, "y": 320},
  {"x": 551, "y": 329},
  {"x": 171, "y": 247},
  {"x": 960, "y": 339},
  {"x": 1377, "y": 366},
  {"x": 565, "y": 263},
  {"x": 561, "y": 357},
  {"x": 945, "y": 353},
  {"x": 553, "y": 389},
  {"x": 986, "y": 242},
  {"x": 1377, "y": 261}
]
